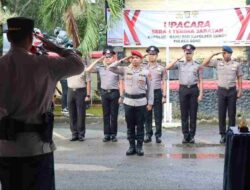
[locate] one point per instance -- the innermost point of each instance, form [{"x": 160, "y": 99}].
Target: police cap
[
  {"x": 189, "y": 48},
  {"x": 108, "y": 51},
  {"x": 20, "y": 25},
  {"x": 152, "y": 50},
  {"x": 227, "y": 49}
]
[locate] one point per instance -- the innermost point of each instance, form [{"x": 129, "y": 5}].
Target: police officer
[
  {"x": 159, "y": 77},
  {"x": 79, "y": 88},
  {"x": 139, "y": 96},
  {"x": 190, "y": 92},
  {"x": 228, "y": 72},
  {"x": 27, "y": 84},
  {"x": 111, "y": 92}
]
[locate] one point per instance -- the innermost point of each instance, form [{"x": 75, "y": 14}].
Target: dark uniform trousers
[
  {"x": 77, "y": 111},
  {"x": 110, "y": 106},
  {"x": 135, "y": 118},
  {"x": 189, "y": 107},
  {"x": 157, "y": 107},
  {"x": 64, "y": 85},
  {"x": 227, "y": 102},
  {"x": 37, "y": 172}
]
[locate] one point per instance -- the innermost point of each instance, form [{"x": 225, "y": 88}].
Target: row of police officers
[{"x": 144, "y": 92}]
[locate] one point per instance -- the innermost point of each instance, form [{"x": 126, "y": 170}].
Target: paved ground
[{"x": 94, "y": 165}]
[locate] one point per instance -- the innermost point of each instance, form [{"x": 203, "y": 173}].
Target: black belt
[
  {"x": 157, "y": 90},
  {"x": 21, "y": 126},
  {"x": 188, "y": 86},
  {"x": 229, "y": 88},
  {"x": 75, "y": 89},
  {"x": 134, "y": 96},
  {"x": 110, "y": 90}
]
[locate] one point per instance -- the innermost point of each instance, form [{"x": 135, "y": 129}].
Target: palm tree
[
  {"x": 4, "y": 15},
  {"x": 82, "y": 19}
]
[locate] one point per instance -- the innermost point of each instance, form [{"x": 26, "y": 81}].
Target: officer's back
[{"x": 27, "y": 84}]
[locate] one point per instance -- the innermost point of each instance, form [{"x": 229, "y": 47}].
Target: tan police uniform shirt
[
  {"x": 227, "y": 72},
  {"x": 136, "y": 81},
  {"x": 158, "y": 73},
  {"x": 189, "y": 72},
  {"x": 79, "y": 81},
  {"x": 109, "y": 80},
  {"x": 27, "y": 85}
]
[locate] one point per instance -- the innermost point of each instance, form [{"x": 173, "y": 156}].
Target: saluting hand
[
  {"x": 49, "y": 45},
  {"x": 178, "y": 59},
  {"x": 217, "y": 53}
]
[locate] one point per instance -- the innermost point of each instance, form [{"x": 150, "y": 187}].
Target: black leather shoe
[
  {"x": 74, "y": 139},
  {"x": 139, "y": 151},
  {"x": 191, "y": 140},
  {"x": 131, "y": 151},
  {"x": 223, "y": 139},
  {"x": 158, "y": 140},
  {"x": 81, "y": 138},
  {"x": 147, "y": 139},
  {"x": 114, "y": 139},
  {"x": 185, "y": 140},
  {"x": 106, "y": 139}
]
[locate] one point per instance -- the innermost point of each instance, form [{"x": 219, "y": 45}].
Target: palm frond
[
  {"x": 91, "y": 37},
  {"x": 115, "y": 7},
  {"x": 71, "y": 27},
  {"x": 52, "y": 11}
]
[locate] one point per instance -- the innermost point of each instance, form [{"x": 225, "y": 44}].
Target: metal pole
[{"x": 167, "y": 120}]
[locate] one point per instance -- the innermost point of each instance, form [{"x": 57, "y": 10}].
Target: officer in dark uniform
[
  {"x": 139, "y": 96},
  {"x": 27, "y": 85},
  {"x": 111, "y": 92},
  {"x": 190, "y": 92},
  {"x": 159, "y": 77},
  {"x": 228, "y": 72}
]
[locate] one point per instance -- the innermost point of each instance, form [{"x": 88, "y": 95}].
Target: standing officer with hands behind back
[
  {"x": 228, "y": 72},
  {"x": 159, "y": 77},
  {"x": 27, "y": 85},
  {"x": 190, "y": 92}
]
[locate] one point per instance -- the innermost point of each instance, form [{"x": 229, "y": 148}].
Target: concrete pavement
[{"x": 94, "y": 165}]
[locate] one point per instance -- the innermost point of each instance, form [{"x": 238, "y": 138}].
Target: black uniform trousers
[
  {"x": 27, "y": 173},
  {"x": 135, "y": 118},
  {"x": 110, "y": 107},
  {"x": 77, "y": 111},
  {"x": 189, "y": 107},
  {"x": 227, "y": 102},
  {"x": 157, "y": 108}
]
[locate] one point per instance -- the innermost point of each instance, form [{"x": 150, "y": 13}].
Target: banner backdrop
[{"x": 141, "y": 28}]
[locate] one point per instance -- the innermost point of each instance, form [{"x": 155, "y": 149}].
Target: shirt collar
[{"x": 154, "y": 66}]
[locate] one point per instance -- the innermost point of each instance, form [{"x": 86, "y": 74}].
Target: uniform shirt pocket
[
  {"x": 129, "y": 80},
  {"x": 141, "y": 82}
]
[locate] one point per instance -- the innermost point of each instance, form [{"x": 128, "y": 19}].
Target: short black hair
[{"x": 17, "y": 37}]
